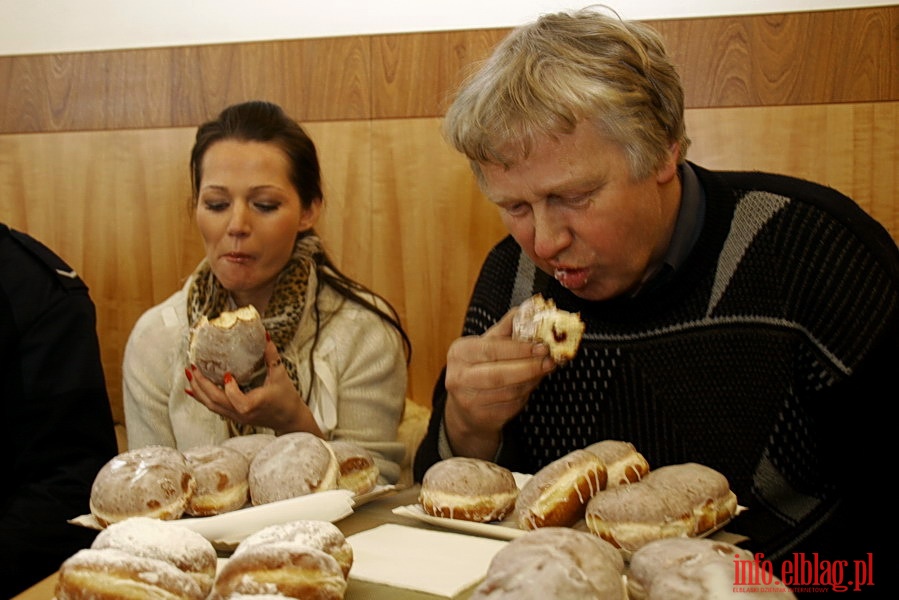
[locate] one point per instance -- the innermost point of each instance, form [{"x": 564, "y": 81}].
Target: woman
[{"x": 336, "y": 360}]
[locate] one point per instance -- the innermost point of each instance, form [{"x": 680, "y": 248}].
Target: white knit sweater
[{"x": 358, "y": 394}]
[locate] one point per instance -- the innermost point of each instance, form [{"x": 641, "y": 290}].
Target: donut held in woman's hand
[
  {"x": 232, "y": 342},
  {"x": 557, "y": 494},
  {"x": 538, "y": 320},
  {"x": 294, "y": 464},
  {"x": 221, "y": 475},
  {"x": 155, "y": 481},
  {"x": 468, "y": 489}
]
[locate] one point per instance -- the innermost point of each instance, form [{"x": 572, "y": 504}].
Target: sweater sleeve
[
  {"x": 367, "y": 357},
  {"x": 146, "y": 376}
]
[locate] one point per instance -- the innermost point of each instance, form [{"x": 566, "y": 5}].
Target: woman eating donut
[{"x": 336, "y": 357}]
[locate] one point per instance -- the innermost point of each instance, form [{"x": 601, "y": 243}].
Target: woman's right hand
[
  {"x": 275, "y": 404},
  {"x": 489, "y": 379}
]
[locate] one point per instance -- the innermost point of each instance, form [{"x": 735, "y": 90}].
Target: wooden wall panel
[
  {"x": 94, "y": 149},
  {"x": 850, "y": 147},
  {"x": 791, "y": 58},
  {"x": 787, "y": 59}
]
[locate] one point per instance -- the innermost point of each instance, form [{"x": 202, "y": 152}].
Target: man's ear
[{"x": 668, "y": 169}]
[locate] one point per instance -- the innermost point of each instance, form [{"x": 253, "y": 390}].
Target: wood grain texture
[
  {"x": 94, "y": 150},
  {"x": 758, "y": 60}
]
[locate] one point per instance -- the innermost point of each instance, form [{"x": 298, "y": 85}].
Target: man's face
[{"x": 577, "y": 213}]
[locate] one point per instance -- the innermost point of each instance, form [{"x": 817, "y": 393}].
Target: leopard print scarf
[{"x": 206, "y": 296}]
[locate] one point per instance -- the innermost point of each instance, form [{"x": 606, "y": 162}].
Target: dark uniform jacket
[{"x": 56, "y": 412}]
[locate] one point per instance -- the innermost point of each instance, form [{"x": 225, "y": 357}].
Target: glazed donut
[
  {"x": 233, "y": 342},
  {"x": 557, "y": 494},
  {"x": 358, "y": 471},
  {"x": 249, "y": 444},
  {"x": 688, "y": 568},
  {"x": 221, "y": 476},
  {"x": 554, "y": 562},
  {"x": 673, "y": 501},
  {"x": 630, "y": 516},
  {"x": 155, "y": 481},
  {"x": 469, "y": 489},
  {"x": 707, "y": 490},
  {"x": 108, "y": 573},
  {"x": 290, "y": 569},
  {"x": 322, "y": 535},
  {"x": 623, "y": 463},
  {"x": 294, "y": 464},
  {"x": 538, "y": 320},
  {"x": 163, "y": 540}
]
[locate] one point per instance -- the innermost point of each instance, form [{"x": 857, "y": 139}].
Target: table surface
[{"x": 370, "y": 515}]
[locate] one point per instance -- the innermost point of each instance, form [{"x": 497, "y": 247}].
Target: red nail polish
[
  {"x": 228, "y": 378},
  {"x": 190, "y": 393},
  {"x": 268, "y": 336},
  {"x": 190, "y": 376}
]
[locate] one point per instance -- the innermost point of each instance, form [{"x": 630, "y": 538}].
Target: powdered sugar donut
[
  {"x": 111, "y": 573},
  {"x": 358, "y": 471},
  {"x": 294, "y": 464},
  {"x": 554, "y": 562},
  {"x": 469, "y": 489},
  {"x": 249, "y": 444},
  {"x": 323, "y": 535},
  {"x": 163, "y": 540},
  {"x": 233, "y": 342},
  {"x": 221, "y": 475},
  {"x": 290, "y": 569},
  {"x": 155, "y": 481}
]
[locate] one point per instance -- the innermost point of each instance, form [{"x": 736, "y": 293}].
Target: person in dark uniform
[{"x": 59, "y": 428}]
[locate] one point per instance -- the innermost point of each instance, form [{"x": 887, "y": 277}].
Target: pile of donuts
[
  {"x": 142, "y": 557},
  {"x": 165, "y": 483},
  {"x": 607, "y": 488}
]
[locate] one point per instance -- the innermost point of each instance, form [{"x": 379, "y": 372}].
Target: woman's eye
[
  {"x": 215, "y": 205},
  {"x": 266, "y": 207}
]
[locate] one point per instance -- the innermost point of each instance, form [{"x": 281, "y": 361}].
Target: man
[
  {"x": 745, "y": 321},
  {"x": 59, "y": 429}
]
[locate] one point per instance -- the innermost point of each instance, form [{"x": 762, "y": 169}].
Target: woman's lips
[{"x": 237, "y": 257}]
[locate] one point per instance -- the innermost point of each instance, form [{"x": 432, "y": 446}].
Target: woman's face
[{"x": 249, "y": 214}]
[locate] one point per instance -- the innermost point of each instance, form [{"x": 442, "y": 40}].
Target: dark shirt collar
[{"x": 689, "y": 222}]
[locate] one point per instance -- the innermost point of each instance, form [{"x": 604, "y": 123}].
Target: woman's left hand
[{"x": 275, "y": 404}]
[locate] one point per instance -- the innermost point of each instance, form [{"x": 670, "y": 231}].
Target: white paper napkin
[
  {"x": 228, "y": 529},
  {"x": 436, "y": 562}
]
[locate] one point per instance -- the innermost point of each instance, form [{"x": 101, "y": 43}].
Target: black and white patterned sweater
[{"x": 770, "y": 356}]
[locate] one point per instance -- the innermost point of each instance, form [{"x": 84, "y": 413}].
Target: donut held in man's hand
[
  {"x": 539, "y": 320},
  {"x": 155, "y": 481},
  {"x": 468, "y": 489},
  {"x": 233, "y": 342},
  {"x": 557, "y": 494}
]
